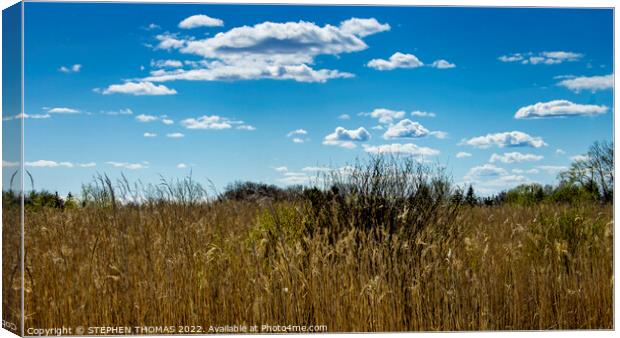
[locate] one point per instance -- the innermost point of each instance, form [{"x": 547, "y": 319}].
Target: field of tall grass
[{"x": 383, "y": 247}]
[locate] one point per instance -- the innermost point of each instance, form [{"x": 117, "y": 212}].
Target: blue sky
[{"x": 271, "y": 93}]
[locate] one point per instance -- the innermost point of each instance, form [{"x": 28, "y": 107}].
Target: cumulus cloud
[
  {"x": 181, "y": 166},
  {"x": 397, "y": 60},
  {"x": 146, "y": 118},
  {"x": 151, "y": 135},
  {"x": 297, "y": 132},
  {"x": 208, "y": 122},
  {"x": 246, "y": 127},
  {"x": 166, "y": 63},
  {"x": 418, "y": 113},
  {"x": 547, "y": 58},
  {"x": 363, "y": 27},
  {"x": 560, "y": 152},
  {"x": 505, "y": 139},
  {"x": 559, "y": 108},
  {"x": 139, "y": 89},
  {"x": 485, "y": 170},
  {"x": 405, "y": 129},
  {"x": 130, "y": 166},
  {"x": 48, "y": 164},
  {"x": 52, "y": 164},
  {"x": 522, "y": 171},
  {"x": 346, "y": 138},
  {"x": 200, "y": 20},
  {"x": 439, "y": 134},
  {"x": 442, "y": 64},
  {"x": 490, "y": 178},
  {"x": 463, "y": 154},
  {"x": 296, "y": 136},
  {"x": 167, "y": 121},
  {"x": 26, "y": 116},
  {"x": 513, "y": 157},
  {"x": 579, "y": 158},
  {"x": 400, "y": 148},
  {"x": 385, "y": 115},
  {"x": 70, "y": 69},
  {"x": 125, "y": 111},
  {"x": 591, "y": 83},
  {"x": 62, "y": 110},
  {"x": 344, "y": 117},
  {"x": 552, "y": 169},
  {"x": 281, "y": 169},
  {"x": 268, "y": 50},
  {"x": 175, "y": 135}
]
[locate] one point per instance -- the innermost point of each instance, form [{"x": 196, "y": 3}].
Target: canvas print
[{"x": 219, "y": 168}]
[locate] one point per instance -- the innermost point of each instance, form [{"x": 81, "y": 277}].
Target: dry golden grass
[{"x": 224, "y": 263}]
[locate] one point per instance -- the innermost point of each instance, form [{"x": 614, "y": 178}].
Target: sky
[{"x": 273, "y": 93}]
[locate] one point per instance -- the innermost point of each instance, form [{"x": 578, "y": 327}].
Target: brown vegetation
[{"x": 365, "y": 255}]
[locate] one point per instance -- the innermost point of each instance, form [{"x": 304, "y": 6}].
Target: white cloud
[
  {"x": 281, "y": 169},
  {"x": 560, "y": 152},
  {"x": 151, "y": 27},
  {"x": 87, "y": 165},
  {"x": 399, "y": 148},
  {"x": 150, "y": 135},
  {"x": 316, "y": 169},
  {"x": 146, "y": 118},
  {"x": 208, "y": 122},
  {"x": 62, "y": 110},
  {"x": 45, "y": 164},
  {"x": 293, "y": 178},
  {"x": 175, "y": 135},
  {"x": 439, "y": 134},
  {"x": 547, "y": 58},
  {"x": 200, "y": 20},
  {"x": 268, "y": 50},
  {"x": 363, "y": 27},
  {"x": 592, "y": 83},
  {"x": 442, "y": 64},
  {"x": 463, "y": 154},
  {"x": 559, "y": 108},
  {"x": 522, "y": 171},
  {"x": 248, "y": 69},
  {"x": 552, "y": 169},
  {"x": 246, "y": 127},
  {"x": 505, "y": 139},
  {"x": 513, "y": 157},
  {"x": 397, "y": 60},
  {"x": 167, "y": 121},
  {"x": 130, "y": 166},
  {"x": 344, "y": 117},
  {"x": 485, "y": 170},
  {"x": 385, "y": 115},
  {"x": 9, "y": 164},
  {"x": 139, "y": 89},
  {"x": 166, "y": 63},
  {"x": 345, "y": 138},
  {"x": 26, "y": 116},
  {"x": 418, "y": 113},
  {"x": 298, "y": 133},
  {"x": 579, "y": 158},
  {"x": 405, "y": 129},
  {"x": 71, "y": 69},
  {"x": 54, "y": 164},
  {"x": 125, "y": 111},
  {"x": 181, "y": 166}
]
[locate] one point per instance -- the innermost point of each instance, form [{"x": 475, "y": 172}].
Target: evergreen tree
[{"x": 470, "y": 198}]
